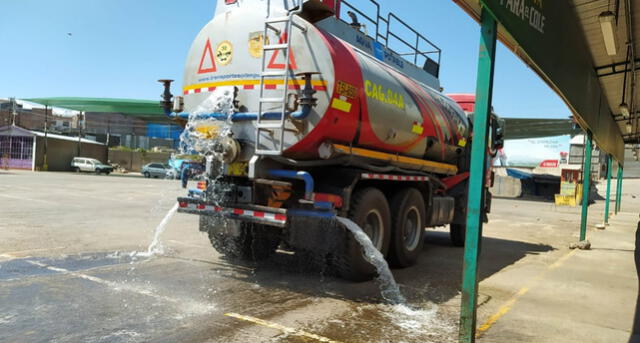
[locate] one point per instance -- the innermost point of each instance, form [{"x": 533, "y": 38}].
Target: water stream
[
  {"x": 388, "y": 286},
  {"x": 155, "y": 247}
]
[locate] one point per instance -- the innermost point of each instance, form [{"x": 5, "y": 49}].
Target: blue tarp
[{"x": 517, "y": 174}]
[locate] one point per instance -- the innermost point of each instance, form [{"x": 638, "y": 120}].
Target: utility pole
[
  {"x": 14, "y": 111},
  {"x": 81, "y": 124},
  {"x": 45, "y": 166}
]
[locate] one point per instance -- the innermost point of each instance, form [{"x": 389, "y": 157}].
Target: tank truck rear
[{"x": 302, "y": 116}]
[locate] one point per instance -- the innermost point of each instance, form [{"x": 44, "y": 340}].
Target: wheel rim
[
  {"x": 373, "y": 228},
  {"x": 411, "y": 230}
]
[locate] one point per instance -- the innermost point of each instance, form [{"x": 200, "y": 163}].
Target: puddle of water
[{"x": 388, "y": 286}]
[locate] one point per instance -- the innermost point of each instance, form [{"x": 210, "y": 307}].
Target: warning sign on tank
[
  {"x": 224, "y": 53},
  {"x": 348, "y": 90}
]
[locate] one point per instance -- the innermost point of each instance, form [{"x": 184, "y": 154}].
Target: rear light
[
  {"x": 202, "y": 185},
  {"x": 230, "y": 2},
  {"x": 183, "y": 204},
  {"x": 336, "y": 200}
]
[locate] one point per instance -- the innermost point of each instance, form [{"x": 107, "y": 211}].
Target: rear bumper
[{"x": 254, "y": 214}]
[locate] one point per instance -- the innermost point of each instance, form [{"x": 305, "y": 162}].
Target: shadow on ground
[{"x": 435, "y": 278}]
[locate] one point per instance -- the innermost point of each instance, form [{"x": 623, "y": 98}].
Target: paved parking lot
[{"x": 69, "y": 272}]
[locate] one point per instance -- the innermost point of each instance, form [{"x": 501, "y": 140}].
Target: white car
[{"x": 91, "y": 165}]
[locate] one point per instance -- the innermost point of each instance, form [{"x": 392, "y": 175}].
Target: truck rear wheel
[
  {"x": 254, "y": 243},
  {"x": 458, "y": 234},
  {"x": 408, "y": 220},
  {"x": 370, "y": 210}
]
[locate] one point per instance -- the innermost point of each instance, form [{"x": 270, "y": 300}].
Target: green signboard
[{"x": 547, "y": 35}]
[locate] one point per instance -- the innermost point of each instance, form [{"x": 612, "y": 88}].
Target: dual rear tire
[{"x": 396, "y": 229}]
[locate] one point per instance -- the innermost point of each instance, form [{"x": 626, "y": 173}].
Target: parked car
[
  {"x": 156, "y": 170},
  {"x": 84, "y": 164}
]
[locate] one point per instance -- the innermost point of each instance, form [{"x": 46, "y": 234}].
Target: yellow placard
[
  {"x": 256, "y": 42},
  {"x": 224, "y": 53},
  {"x": 237, "y": 169},
  {"x": 417, "y": 129},
  {"x": 341, "y": 105}
]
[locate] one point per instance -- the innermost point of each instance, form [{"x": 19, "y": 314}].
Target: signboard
[
  {"x": 550, "y": 164},
  {"x": 548, "y": 37},
  {"x": 535, "y": 152}
]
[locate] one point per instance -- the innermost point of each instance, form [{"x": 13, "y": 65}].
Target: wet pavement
[{"x": 69, "y": 273}]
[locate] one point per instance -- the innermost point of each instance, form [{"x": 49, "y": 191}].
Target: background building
[{"x": 146, "y": 131}]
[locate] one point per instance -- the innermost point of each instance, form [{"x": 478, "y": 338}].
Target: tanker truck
[{"x": 324, "y": 119}]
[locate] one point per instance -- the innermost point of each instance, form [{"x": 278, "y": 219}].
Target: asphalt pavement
[{"x": 72, "y": 269}]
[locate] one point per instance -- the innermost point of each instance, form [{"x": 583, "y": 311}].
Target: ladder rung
[
  {"x": 276, "y": 47},
  {"x": 268, "y": 152},
  {"x": 272, "y": 100},
  {"x": 274, "y": 73},
  {"x": 277, "y": 20},
  {"x": 268, "y": 125}
]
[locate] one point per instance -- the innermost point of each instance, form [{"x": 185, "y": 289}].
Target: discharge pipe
[{"x": 173, "y": 109}]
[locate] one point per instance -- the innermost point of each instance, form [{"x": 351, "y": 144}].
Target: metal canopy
[
  {"x": 131, "y": 107},
  {"x": 521, "y": 128},
  {"x": 562, "y": 41}
]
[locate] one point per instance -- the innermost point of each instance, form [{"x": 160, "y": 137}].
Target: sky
[{"x": 119, "y": 48}]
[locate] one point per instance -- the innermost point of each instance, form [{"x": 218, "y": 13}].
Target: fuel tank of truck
[{"x": 361, "y": 101}]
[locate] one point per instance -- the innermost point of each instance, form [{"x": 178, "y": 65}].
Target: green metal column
[
  {"x": 618, "y": 188},
  {"x": 606, "y": 204},
  {"x": 484, "y": 93},
  {"x": 620, "y": 179},
  {"x": 586, "y": 185}
]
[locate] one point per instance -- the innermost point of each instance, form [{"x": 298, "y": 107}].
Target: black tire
[
  {"x": 408, "y": 223},
  {"x": 255, "y": 242},
  {"x": 369, "y": 208},
  {"x": 97, "y": 171},
  {"x": 75, "y": 169},
  {"x": 458, "y": 234},
  {"x": 107, "y": 173},
  {"x": 146, "y": 175}
]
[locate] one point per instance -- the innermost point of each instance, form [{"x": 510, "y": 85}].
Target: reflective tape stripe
[
  {"x": 276, "y": 217},
  {"x": 388, "y": 177}
]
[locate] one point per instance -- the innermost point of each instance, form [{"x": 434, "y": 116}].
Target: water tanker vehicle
[{"x": 326, "y": 117}]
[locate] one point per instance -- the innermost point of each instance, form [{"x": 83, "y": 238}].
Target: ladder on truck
[{"x": 275, "y": 128}]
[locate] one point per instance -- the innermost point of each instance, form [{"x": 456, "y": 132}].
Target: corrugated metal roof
[{"x": 610, "y": 69}]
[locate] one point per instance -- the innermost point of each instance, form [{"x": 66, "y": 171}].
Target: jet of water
[
  {"x": 156, "y": 246},
  {"x": 388, "y": 286}
]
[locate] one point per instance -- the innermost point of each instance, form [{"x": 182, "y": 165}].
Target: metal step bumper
[{"x": 254, "y": 214}]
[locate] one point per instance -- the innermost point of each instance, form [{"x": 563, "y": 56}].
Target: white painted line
[
  {"x": 276, "y": 326},
  {"x": 187, "y": 304}
]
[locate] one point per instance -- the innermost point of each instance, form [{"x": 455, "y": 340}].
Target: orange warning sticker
[
  {"x": 348, "y": 90},
  {"x": 207, "y": 62}
]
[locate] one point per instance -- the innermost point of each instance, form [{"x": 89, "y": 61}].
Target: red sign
[{"x": 550, "y": 164}]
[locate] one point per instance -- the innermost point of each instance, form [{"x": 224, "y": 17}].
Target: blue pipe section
[
  {"x": 298, "y": 175},
  {"x": 242, "y": 117},
  {"x": 309, "y": 213}
]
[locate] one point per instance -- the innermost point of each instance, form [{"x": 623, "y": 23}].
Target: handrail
[
  {"x": 419, "y": 37},
  {"x": 384, "y": 37}
]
